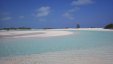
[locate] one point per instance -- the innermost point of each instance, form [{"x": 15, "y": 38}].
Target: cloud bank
[
  {"x": 76, "y": 4},
  {"x": 81, "y": 2},
  {"x": 5, "y": 18},
  {"x": 43, "y": 11}
]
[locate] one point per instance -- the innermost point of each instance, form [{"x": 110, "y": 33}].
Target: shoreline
[
  {"x": 92, "y": 29},
  {"x": 43, "y": 33},
  {"x": 62, "y": 57},
  {"x": 46, "y": 33},
  {"x": 101, "y": 55}
]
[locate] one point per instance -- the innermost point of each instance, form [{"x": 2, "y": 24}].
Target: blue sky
[{"x": 55, "y": 13}]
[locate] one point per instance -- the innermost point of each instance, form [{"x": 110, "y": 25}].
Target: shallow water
[{"x": 80, "y": 40}]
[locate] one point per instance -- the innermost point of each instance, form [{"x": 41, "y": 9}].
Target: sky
[{"x": 55, "y": 13}]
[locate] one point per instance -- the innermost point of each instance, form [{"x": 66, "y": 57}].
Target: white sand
[
  {"x": 43, "y": 33},
  {"x": 91, "y": 29},
  {"x": 63, "y": 57}
]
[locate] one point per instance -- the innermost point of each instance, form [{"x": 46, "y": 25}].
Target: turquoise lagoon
[{"x": 79, "y": 40}]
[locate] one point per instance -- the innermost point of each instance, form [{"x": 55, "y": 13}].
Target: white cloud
[
  {"x": 6, "y": 18},
  {"x": 76, "y": 4},
  {"x": 73, "y": 9},
  {"x": 68, "y": 15},
  {"x": 21, "y": 17},
  {"x": 43, "y": 11},
  {"x": 81, "y": 2}
]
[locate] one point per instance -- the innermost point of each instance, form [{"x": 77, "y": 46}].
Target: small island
[
  {"x": 109, "y": 26},
  {"x": 18, "y": 28}
]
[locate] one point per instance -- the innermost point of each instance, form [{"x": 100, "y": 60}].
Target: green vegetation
[
  {"x": 48, "y": 28},
  {"x": 78, "y": 26},
  {"x": 109, "y": 26},
  {"x": 19, "y": 28}
]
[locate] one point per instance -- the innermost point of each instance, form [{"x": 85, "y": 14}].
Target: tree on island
[
  {"x": 109, "y": 26},
  {"x": 19, "y": 28},
  {"x": 78, "y": 26}
]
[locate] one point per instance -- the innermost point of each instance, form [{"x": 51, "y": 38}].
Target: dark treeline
[
  {"x": 19, "y": 28},
  {"x": 109, "y": 26}
]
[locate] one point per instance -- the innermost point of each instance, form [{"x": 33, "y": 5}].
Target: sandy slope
[{"x": 44, "y": 33}]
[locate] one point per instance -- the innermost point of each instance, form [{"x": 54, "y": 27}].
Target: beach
[
  {"x": 56, "y": 31},
  {"x": 91, "y": 29},
  {"x": 63, "y": 57},
  {"x": 43, "y": 33},
  {"x": 101, "y": 55}
]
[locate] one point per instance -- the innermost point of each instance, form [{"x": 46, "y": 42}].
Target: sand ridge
[{"x": 44, "y": 33}]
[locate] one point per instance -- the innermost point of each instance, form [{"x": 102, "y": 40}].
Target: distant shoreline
[
  {"x": 43, "y": 33},
  {"x": 58, "y": 29},
  {"x": 92, "y": 29},
  {"x": 33, "y": 33}
]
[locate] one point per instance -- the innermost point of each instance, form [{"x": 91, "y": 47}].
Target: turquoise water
[{"x": 80, "y": 40}]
